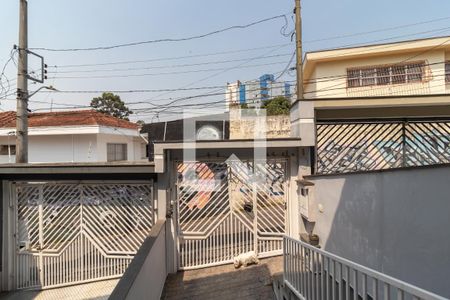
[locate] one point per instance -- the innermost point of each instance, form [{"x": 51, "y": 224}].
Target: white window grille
[{"x": 384, "y": 75}]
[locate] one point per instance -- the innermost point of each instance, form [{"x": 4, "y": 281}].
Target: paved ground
[
  {"x": 225, "y": 282},
  {"x": 94, "y": 291}
]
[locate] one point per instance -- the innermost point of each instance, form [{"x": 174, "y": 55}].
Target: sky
[{"x": 239, "y": 54}]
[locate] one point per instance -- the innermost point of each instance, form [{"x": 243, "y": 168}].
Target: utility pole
[
  {"x": 299, "y": 49},
  {"x": 22, "y": 87}
]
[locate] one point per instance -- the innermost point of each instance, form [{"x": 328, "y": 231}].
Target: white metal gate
[
  {"x": 228, "y": 208},
  {"x": 71, "y": 233}
]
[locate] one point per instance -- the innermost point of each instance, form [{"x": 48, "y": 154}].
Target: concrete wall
[
  {"x": 276, "y": 127},
  {"x": 396, "y": 222},
  {"x": 146, "y": 275}
]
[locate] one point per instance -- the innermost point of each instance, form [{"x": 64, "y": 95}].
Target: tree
[
  {"x": 112, "y": 105},
  {"x": 140, "y": 122},
  {"x": 277, "y": 106}
]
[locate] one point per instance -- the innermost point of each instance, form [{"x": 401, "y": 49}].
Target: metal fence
[
  {"x": 312, "y": 273},
  {"x": 70, "y": 232},
  {"x": 344, "y": 146}
]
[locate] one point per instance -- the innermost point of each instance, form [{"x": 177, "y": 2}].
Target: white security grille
[
  {"x": 71, "y": 233},
  {"x": 229, "y": 208}
]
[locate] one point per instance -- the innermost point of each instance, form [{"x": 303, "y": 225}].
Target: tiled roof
[{"x": 66, "y": 118}]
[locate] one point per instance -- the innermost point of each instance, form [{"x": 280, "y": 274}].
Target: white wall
[
  {"x": 63, "y": 148},
  {"x": 75, "y": 148},
  {"x": 397, "y": 222}
]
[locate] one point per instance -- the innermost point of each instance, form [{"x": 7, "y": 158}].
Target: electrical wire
[
  {"x": 165, "y": 73},
  {"x": 377, "y": 30},
  {"x": 234, "y": 27},
  {"x": 171, "y": 58},
  {"x": 4, "y": 89},
  {"x": 166, "y": 67}
]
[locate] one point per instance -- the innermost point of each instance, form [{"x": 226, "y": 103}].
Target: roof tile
[{"x": 66, "y": 118}]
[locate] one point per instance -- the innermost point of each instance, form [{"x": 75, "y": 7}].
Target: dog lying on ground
[{"x": 245, "y": 259}]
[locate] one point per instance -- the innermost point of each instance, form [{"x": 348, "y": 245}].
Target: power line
[
  {"x": 259, "y": 48},
  {"x": 224, "y": 71},
  {"x": 167, "y": 66},
  {"x": 287, "y": 66},
  {"x": 165, "y": 39},
  {"x": 436, "y": 30},
  {"x": 134, "y": 91},
  {"x": 377, "y": 30},
  {"x": 154, "y": 106},
  {"x": 2, "y": 74},
  {"x": 171, "y": 58},
  {"x": 164, "y": 73}
]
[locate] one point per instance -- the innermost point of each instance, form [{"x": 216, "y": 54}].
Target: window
[
  {"x": 384, "y": 75},
  {"x": 447, "y": 72},
  {"x": 144, "y": 151},
  {"x": 116, "y": 152},
  {"x": 7, "y": 149}
]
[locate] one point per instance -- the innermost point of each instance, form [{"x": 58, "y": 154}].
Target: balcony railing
[{"x": 312, "y": 273}]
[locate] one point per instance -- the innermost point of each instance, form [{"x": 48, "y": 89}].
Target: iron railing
[
  {"x": 312, "y": 273},
  {"x": 344, "y": 146}
]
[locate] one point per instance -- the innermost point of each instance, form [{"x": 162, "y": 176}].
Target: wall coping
[
  {"x": 411, "y": 168},
  {"x": 125, "y": 284}
]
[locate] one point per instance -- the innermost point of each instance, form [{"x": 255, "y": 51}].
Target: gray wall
[
  {"x": 397, "y": 222},
  {"x": 146, "y": 275}
]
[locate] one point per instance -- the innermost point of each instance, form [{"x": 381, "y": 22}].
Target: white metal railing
[{"x": 312, "y": 273}]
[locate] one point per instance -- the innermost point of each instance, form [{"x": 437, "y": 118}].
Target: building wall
[
  {"x": 396, "y": 222},
  {"x": 232, "y": 95},
  {"x": 328, "y": 80},
  {"x": 75, "y": 148},
  {"x": 63, "y": 148},
  {"x": 276, "y": 127}
]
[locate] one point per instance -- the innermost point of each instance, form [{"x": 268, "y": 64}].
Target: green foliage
[
  {"x": 112, "y": 105},
  {"x": 244, "y": 105},
  {"x": 277, "y": 106}
]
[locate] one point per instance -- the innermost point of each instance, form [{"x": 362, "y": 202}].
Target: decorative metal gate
[
  {"x": 71, "y": 233},
  {"x": 228, "y": 208},
  {"x": 360, "y": 145}
]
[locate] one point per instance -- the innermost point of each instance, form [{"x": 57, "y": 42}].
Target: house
[
  {"x": 397, "y": 88},
  {"x": 73, "y": 136},
  {"x": 380, "y": 80},
  {"x": 378, "y": 119}
]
